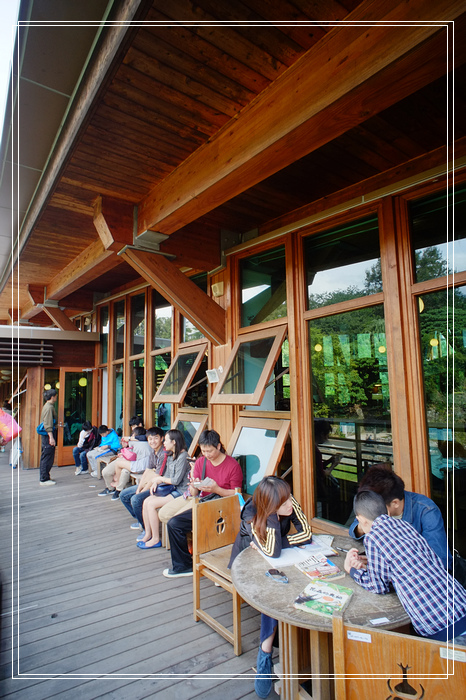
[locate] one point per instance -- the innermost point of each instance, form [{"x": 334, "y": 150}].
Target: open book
[
  {"x": 322, "y": 598},
  {"x": 319, "y": 567}
]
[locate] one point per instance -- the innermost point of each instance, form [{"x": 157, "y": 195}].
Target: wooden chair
[
  {"x": 374, "y": 663},
  {"x": 101, "y": 463},
  {"x": 215, "y": 526}
]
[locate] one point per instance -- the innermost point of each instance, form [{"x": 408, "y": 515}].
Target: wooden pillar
[{"x": 31, "y": 407}]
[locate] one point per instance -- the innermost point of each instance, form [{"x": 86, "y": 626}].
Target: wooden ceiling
[{"x": 195, "y": 92}]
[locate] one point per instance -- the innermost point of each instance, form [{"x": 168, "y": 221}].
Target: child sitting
[{"x": 397, "y": 554}]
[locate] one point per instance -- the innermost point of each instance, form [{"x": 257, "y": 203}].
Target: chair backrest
[
  {"x": 215, "y": 523},
  {"x": 374, "y": 663}
]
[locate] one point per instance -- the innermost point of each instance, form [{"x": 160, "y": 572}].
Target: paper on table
[{"x": 293, "y": 555}]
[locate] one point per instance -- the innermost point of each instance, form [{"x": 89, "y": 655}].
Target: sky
[{"x": 8, "y": 18}]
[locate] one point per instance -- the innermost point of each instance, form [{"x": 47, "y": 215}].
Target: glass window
[
  {"x": 191, "y": 427},
  {"x": 263, "y": 287},
  {"x": 350, "y": 394},
  {"x": 119, "y": 326},
  {"x": 249, "y": 367},
  {"x": 77, "y": 405},
  {"x": 197, "y": 392},
  {"x": 189, "y": 332},
  {"x": 118, "y": 386},
  {"x": 443, "y": 348},
  {"x": 137, "y": 388},
  {"x": 51, "y": 379},
  {"x": 257, "y": 444},
  {"x": 343, "y": 263},
  {"x": 181, "y": 373},
  {"x": 162, "y": 411},
  {"x": 438, "y": 233},
  {"x": 138, "y": 324},
  {"x": 103, "y": 334},
  {"x": 163, "y": 314}
]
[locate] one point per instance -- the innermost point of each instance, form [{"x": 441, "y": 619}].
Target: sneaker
[
  {"x": 105, "y": 492},
  {"x": 136, "y": 525},
  {"x": 77, "y": 470},
  {"x": 49, "y": 482},
  {"x": 140, "y": 537},
  {"x": 116, "y": 496},
  {"x": 94, "y": 474},
  {"x": 263, "y": 680},
  {"x": 171, "y": 573},
  {"x": 82, "y": 471}
]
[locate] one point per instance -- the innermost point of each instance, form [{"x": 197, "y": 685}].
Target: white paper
[
  {"x": 293, "y": 555},
  {"x": 379, "y": 621},
  {"x": 455, "y": 654},
  {"x": 359, "y": 636}
]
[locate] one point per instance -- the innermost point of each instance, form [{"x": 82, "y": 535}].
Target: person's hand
[
  {"x": 211, "y": 487},
  {"x": 353, "y": 560},
  {"x": 51, "y": 441},
  {"x": 336, "y": 459},
  {"x": 253, "y": 545}
]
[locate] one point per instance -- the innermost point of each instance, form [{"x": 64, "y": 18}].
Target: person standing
[{"x": 49, "y": 418}]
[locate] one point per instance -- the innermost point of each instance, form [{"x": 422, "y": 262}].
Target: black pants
[
  {"x": 47, "y": 456},
  {"x": 178, "y": 528}
]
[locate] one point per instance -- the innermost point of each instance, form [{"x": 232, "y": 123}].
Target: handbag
[
  {"x": 163, "y": 490},
  {"x": 9, "y": 428},
  {"x": 127, "y": 453}
]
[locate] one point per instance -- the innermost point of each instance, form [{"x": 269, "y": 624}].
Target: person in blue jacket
[
  {"x": 109, "y": 444},
  {"x": 416, "y": 509}
]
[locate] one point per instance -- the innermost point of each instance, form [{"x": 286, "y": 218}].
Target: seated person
[
  {"x": 117, "y": 473},
  {"x": 134, "y": 422},
  {"x": 449, "y": 455},
  {"x": 414, "y": 508},
  {"x": 88, "y": 439},
  {"x": 397, "y": 555},
  {"x": 133, "y": 497},
  {"x": 175, "y": 473},
  {"x": 327, "y": 487},
  {"x": 226, "y": 475},
  {"x": 109, "y": 444},
  {"x": 265, "y": 524}
]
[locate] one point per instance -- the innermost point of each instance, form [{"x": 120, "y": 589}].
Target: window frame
[
  {"x": 201, "y": 347},
  {"x": 279, "y": 333},
  {"x": 190, "y": 417}
]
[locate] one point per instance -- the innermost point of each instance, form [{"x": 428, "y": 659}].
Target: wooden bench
[
  {"x": 374, "y": 663},
  {"x": 103, "y": 461}
]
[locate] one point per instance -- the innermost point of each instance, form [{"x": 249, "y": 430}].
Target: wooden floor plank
[{"x": 90, "y": 602}]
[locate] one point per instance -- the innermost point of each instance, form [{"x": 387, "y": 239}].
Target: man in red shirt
[{"x": 223, "y": 475}]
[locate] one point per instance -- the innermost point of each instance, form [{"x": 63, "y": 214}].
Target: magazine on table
[
  {"x": 292, "y": 555},
  {"x": 319, "y": 567},
  {"x": 322, "y": 598}
]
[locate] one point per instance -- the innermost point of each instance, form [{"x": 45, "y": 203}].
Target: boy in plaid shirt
[{"x": 397, "y": 554}]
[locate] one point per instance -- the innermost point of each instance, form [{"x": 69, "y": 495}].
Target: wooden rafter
[
  {"x": 314, "y": 101},
  {"x": 59, "y": 318},
  {"x": 191, "y": 301}
]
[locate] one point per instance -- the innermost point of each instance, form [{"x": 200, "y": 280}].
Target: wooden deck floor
[{"x": 96, "y": 617}]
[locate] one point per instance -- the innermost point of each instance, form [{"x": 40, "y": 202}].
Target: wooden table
[{"x": 276, "y": 600}]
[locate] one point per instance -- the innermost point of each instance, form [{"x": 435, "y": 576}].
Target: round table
[{"x": 276, "y": 600}]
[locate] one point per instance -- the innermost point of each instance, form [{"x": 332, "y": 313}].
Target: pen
[{"x": 341, "y": 549}]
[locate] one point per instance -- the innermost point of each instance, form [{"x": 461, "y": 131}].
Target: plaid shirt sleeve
[{"x": 376, "y": 578}]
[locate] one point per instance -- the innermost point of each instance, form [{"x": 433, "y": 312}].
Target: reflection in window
[
  {"x": 189, "y": 331},
  {"x": 349, "y": 390},
  {"x": 181, "y": 373},
  {"x": 277, "y": 391},
  {"x": 247, "y": 366},
  {"x": 138, "y": 324},
  {"x": 191, "y": 428},
  {"x": 438, "y": 237},
  {"x": 103, "y": 334},
  {"x": 119, "y": 321},
  {"x": 162, "y": 326},
  {"x": 343, "y": 263},
  {"x": 77, "y": 405},
  {"x": 137, "y": 388},
  {"x": 196, "y": 395},
  {"x": 443, "y": 348},
  {"x": 263, "y": 287},
  {"x": 118, "y": 387},
  {"x": 162, "y": 411}
]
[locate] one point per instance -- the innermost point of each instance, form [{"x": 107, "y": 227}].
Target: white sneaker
[
  {"x": 136, "y": 525},
  {"x": 77, "y": 470},
  {"x": 94, "y": 474},
  {"x": 47, "y": 483},
  {"x": 141, "y": 536}
]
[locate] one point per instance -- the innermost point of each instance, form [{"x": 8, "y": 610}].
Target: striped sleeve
[
  {"x": 303, "y": 532},
  {"x": 272, "y": 546}
]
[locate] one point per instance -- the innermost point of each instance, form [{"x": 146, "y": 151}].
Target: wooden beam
[
  {"x": 113, "y": 221},
  {"x": 191, "y": 301},
  {"x": 36, "y": 293},
  {"x": 14, "y": 315},
  {"x": 352, "y": 73},
  {"x": 88, "y": 265},
  {"x": 59, "y": 318}
]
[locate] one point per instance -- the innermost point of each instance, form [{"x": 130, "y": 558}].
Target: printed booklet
[
  {"x": 322, "y": 598},
  {"x": 319, "y": 567}
]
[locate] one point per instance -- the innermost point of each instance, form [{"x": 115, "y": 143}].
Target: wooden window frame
[
  {"x": 201, "y": 347},
  {"x": 283, "y": 427},
  {"x": 190, "y": 417},
  {"x": 279, "y": 333}
]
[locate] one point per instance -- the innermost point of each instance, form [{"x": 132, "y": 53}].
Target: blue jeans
[
  {"x": 133, "y": 502},
  {"x": 79, "y": 455}
]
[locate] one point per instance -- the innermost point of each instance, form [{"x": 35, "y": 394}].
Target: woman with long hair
[
  {"x": 174, "y": 473},
  {"x": 265, "y": 524}
]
